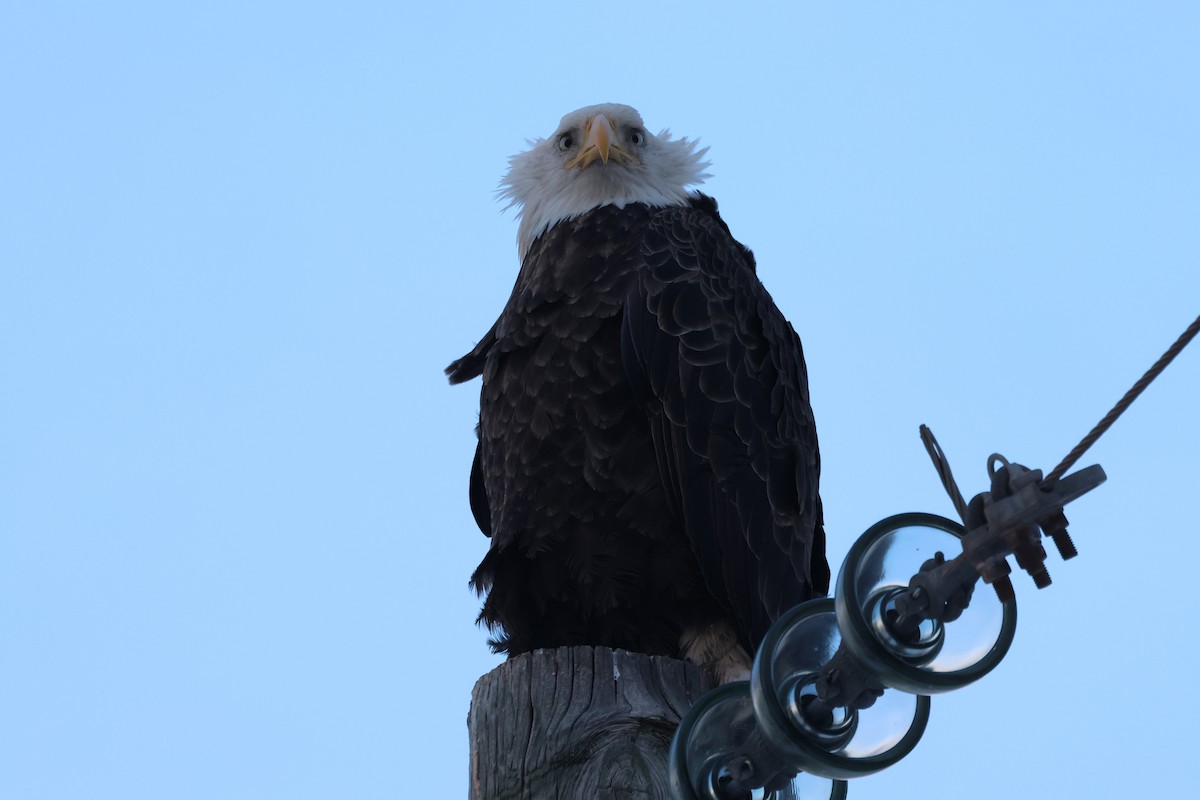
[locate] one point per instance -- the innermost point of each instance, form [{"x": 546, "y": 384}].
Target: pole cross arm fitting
[
  {"x": 1014, "y": 515},
  {"x": 1009, "y": 519}
]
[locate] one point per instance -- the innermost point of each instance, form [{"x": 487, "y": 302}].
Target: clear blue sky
[{"x": 238, "y": 243}]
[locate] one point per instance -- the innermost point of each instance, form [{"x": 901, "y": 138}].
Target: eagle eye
[
  {"x": 566, "y": 142},
  {"x": 637, "y": 137}
]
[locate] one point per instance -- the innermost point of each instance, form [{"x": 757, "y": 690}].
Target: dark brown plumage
[{"x": 647, "y": 458}]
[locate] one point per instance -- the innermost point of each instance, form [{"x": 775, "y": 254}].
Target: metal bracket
[{"x": 1010, "y": 519}]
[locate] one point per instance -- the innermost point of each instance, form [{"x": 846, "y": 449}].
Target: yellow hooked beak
[{"x": 599, "y": 142}]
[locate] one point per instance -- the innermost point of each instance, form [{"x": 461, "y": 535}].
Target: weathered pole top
[{"x": 578, "y": 722}]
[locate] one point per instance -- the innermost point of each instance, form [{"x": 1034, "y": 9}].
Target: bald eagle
[{"x": 647, "y": 462}]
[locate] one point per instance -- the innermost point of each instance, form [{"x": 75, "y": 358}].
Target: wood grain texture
[{"x": 578, "y": 722}]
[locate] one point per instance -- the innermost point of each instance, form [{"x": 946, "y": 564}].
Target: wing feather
[{"x": 722, "y": 375}]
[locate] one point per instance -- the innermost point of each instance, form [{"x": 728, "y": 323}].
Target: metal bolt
[{"x": 1066, "y": 548}]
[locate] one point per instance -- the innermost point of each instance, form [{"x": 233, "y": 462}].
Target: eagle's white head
[{"x": 600, "y": 155}]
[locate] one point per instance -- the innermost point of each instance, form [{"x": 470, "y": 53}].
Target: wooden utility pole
[{"x": 578, "y": 723}]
